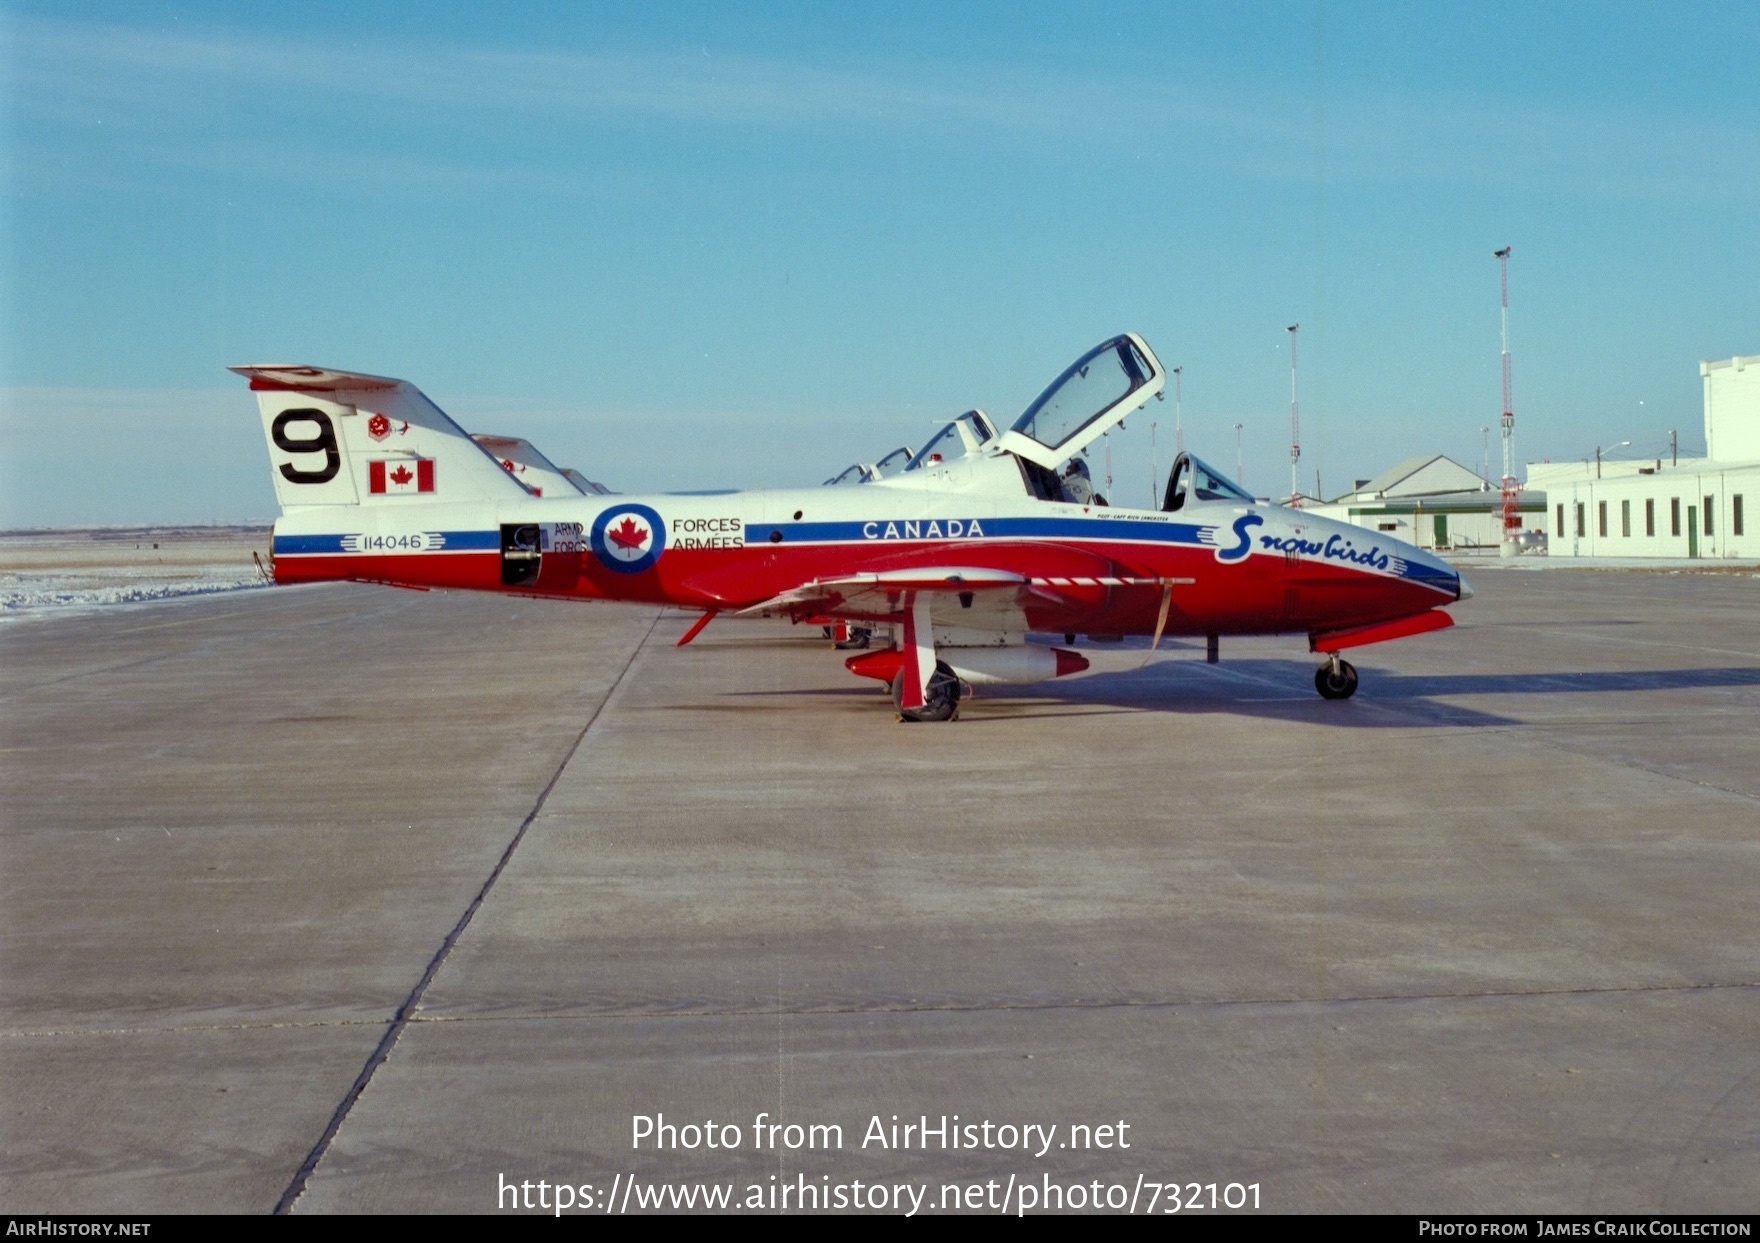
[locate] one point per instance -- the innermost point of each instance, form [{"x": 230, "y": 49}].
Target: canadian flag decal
[{"x": 396, "y": 475}]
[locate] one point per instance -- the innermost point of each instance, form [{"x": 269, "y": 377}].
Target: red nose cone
[{"x": 1068, "y": 662}]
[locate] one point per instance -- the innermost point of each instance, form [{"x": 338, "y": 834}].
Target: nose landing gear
[{"x": 1336, "y": 679}]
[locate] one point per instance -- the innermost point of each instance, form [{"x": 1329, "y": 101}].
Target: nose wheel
[
  {"x": 1336, "y": 679},
  {"x": 940, "y": 699}
]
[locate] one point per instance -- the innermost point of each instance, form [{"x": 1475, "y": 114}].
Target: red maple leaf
[
  {"x": 401, "y": 476},
  {"x": 628, "y": 534}
]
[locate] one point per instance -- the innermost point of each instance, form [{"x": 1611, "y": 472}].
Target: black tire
[
  {"x": 941, "y": 703},
  {"x": 1341, "y": 686},
  {"x": 859, "y": 637}
]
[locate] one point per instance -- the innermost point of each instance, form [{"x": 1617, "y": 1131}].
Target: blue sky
[{"x": 688, "y": 245}]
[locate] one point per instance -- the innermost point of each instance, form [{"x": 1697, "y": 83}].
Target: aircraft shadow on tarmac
[
  {"x": 1412, "y": 700},
  {"x": 1283, "y": 690}
]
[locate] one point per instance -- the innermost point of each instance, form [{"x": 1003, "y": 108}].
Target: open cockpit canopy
[
  {"x": 893, "y": 463},
  {"x": 966, "y": 434},
  {"x": 858, "y": 473},
  {"x": 1192, "y": 480},
  {"x": 1092, "y": 396}
]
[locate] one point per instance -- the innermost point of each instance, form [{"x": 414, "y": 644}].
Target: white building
[
  {"x": 1691, "y": 507},
  {"x": 1433, "y": 502}
]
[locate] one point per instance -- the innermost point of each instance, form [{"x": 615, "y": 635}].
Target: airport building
[
  {"x": 1435, "y": 502},
  {"x": 1685, "y": 507}
]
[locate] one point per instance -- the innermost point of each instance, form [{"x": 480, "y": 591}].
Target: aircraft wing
[
  {"x": 969, "y": 595},
  {"x": 883, "y": 595}
]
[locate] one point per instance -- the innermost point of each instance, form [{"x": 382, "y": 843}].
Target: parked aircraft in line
[
  {"x": 960, "y": 557},
  {"x": 540, "y": 476},
  {"x": 867, "y": 472}
]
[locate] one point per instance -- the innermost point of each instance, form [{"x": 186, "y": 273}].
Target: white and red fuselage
[
  {"x": 1249, "y": 568},
  {"x": 961, "y": 554}
]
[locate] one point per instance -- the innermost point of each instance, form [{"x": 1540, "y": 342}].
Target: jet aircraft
[
  {"x": 867, "y": 472},
  {"x": 960, "y": 556},
  {"x": 538, "y": 474}
]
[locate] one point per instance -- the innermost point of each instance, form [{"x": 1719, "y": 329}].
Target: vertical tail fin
[
  {"x": 534, "y": 472},
  {"x": 340, "y": 438}
]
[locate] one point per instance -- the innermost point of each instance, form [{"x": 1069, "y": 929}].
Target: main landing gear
[
  {"x": 847, "y": 638},
  {"x": 940, "y": 698},
  {"x": 1336, "y": 679}
]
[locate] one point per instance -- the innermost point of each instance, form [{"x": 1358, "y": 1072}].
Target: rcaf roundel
[{"x": 628, "y": 538}]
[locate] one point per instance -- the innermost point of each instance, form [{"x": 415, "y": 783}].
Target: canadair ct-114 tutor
[{"x": 977, "y": 543}]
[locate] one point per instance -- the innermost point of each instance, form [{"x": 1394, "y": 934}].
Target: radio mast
[
  {"x": 1512, "y": 518},
  {"x": 1295, "y": 428},
  {"x": 1179, "y": 435}
]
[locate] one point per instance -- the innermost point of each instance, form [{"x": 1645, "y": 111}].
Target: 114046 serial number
[{"x": 412, "y": 541}]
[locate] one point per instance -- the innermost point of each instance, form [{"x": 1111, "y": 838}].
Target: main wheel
[
  {"x": 1340, "y": 685},
  {"x": 859, "y": 637},
  {"x": 940, "y": 700}
]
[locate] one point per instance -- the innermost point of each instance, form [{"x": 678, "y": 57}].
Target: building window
[
  {"x": 1601, "y": 519},
  {"x": 1580, "y": 531},
  {"x": 1561, "y": 520},
  {"x": 1674, "y": 515},
  {"x": 1650, "y": 516},
  {"x": 1707, "y": 512},
  {"x": 1387, "y": 526},
  {"x": 1625, "y": 517},
  {"x": 1735, "y": 514}
]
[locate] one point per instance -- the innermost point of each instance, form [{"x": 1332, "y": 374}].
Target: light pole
[
  {"x": 1179, "y": 432},
  {"x": 1239, "y": 474},
  {"x": 1511, "y": 505},
  {"x": 1610, "y": 448},
  {"x": 1154, "y": 467}
]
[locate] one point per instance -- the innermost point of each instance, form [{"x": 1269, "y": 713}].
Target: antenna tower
[
  {"x": 1295, "y": 427},
  {"x": 1179, "y": 435},
  {"x": 1512, "y": 518}
]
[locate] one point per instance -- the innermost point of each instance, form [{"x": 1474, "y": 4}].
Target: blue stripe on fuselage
[
  {"x": 891, "y": 530},
  {"x": 320, "y": 545},
  {"x": 1440, "y": 577}
]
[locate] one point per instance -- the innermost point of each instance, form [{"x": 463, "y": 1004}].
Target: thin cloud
[{"x": 93, "y": 74}]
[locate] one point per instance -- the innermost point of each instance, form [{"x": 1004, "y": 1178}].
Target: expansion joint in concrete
[{"x": 406, "y": 1012}]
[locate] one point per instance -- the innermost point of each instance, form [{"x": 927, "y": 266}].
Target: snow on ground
[{"x": 62, "y": 573}]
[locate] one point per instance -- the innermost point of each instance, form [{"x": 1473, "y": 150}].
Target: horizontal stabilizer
[{"x": 281, "y": 377}]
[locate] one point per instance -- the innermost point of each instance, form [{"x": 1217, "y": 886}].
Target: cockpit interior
[{"x": 1044, "y": 452}]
